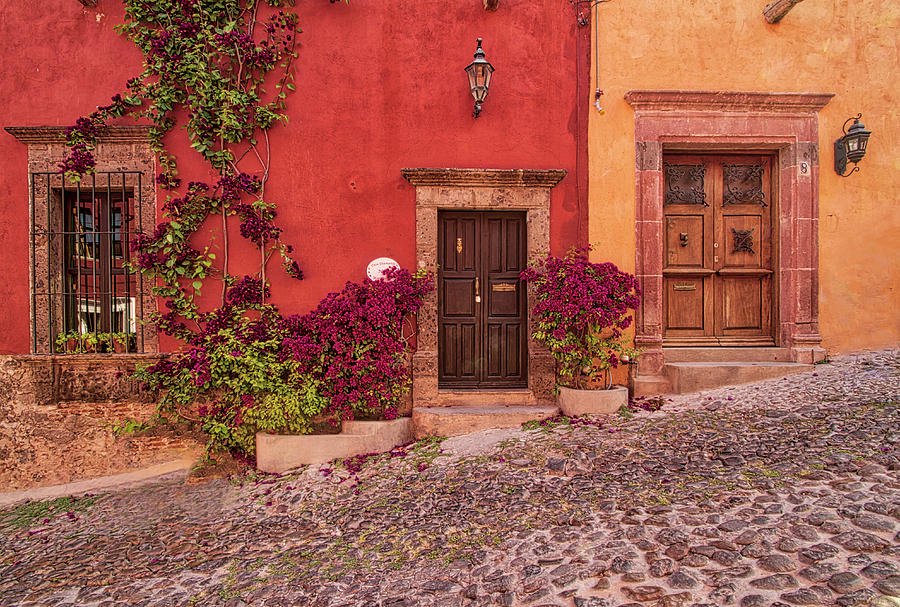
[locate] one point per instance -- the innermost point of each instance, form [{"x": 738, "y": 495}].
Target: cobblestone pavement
[{"x": 785, "y": 492}]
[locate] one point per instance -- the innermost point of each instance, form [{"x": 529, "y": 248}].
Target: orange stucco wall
[{"x": 849, "y": 49}]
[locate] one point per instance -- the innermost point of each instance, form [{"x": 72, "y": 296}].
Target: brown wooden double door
[
  {"x": 481, "y": 301},
  {"x": 718, "y": 250}
]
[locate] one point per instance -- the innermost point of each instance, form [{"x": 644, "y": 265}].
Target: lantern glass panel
[
  {"x": 852, "y": 144},
  {"x": 488, "y": 71}
]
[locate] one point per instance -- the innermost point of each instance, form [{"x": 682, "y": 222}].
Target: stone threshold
[{"x": 458, "y": 420}]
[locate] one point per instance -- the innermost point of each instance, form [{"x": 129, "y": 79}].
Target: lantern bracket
[{"x": 851, "y": 146}]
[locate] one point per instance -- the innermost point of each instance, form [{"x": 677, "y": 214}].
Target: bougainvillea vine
[
  {"x": 222, "y": 70},
  {"x": 581, "y": 309}
]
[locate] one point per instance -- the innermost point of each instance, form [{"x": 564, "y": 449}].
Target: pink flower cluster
[
  {"x": 353, "y": 342},
  {"x": 581, "y": 310}
]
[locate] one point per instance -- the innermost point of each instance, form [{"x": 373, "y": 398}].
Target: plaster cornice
[
  {"x": 57, "y": 134},
  {"x": 718, "y": 101},
  {"x": 485, "y": 178}
]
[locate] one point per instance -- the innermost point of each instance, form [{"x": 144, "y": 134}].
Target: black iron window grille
[{"x": 83, "y": 297}]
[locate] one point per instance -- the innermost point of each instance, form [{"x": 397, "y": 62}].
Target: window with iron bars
[{"x": 83, "y": 298}]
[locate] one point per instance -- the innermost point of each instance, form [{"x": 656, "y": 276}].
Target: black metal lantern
[
  {"x": 479, "y": 72},
  {"x": 851, "y": 146}
]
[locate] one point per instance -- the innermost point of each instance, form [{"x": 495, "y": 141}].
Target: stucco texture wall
[
  {"x": 851, "y": 50},
  {"x": 380, "y": 87}
]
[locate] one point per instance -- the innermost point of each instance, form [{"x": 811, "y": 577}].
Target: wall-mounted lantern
[
  {"x": 851, "y": 146},
  {"x": 479, "y": 72}
]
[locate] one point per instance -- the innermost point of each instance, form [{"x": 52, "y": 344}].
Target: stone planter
[
  {"x": 592, "y": 402},
  {"x": 280, "y": 452}
]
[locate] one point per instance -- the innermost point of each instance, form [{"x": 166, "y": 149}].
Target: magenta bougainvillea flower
[{"x": 581, "y": 309}]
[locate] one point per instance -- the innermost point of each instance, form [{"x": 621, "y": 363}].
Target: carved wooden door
[
  {"x": 718, "y": 250},
  {"x": 481, "y": 301}
]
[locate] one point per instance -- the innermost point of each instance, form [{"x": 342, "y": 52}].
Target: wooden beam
[
  {"x": 777, "y": 9},
  {"x": 491, "y": 5},
  {"x": 88, "y": 3}
]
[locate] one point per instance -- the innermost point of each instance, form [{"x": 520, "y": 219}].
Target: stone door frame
[
  {"x": 786, "y": 123},
  {"x": 446, "y": 189}
]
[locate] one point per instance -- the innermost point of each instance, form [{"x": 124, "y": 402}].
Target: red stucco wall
[{"x": 380, "y": 87}]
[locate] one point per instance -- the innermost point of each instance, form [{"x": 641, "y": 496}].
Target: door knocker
[{"x": 684, "y": 239}]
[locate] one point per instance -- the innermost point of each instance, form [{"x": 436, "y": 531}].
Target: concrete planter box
[
  {"x": 592, "y": 402},
  {"x": 280, "y": 452}
]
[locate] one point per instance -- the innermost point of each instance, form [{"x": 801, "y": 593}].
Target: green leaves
[{"x": 206, "y": 67}]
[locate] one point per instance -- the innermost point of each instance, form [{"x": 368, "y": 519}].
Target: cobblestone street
[{"x": 785, "y": 492}]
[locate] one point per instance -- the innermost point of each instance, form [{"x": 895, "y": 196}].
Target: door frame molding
[
  {"x": 446, "y": 189},
  {"x": 723, "y": 121}
]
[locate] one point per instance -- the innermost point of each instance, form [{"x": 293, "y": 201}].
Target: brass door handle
[{"x": 477, "y": 293}]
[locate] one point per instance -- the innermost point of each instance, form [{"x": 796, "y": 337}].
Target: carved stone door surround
[
  {"x": 440, "y": 189},
  {"x": 722, "y": 121}
]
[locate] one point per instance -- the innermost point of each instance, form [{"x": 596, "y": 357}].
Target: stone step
[
  {"x": 696, "y": 376},
  {"x": 485, "y": 398},
  {"x": 709, "y": 355},
  {"x": 454, "y": 421},
  {"x": 650, "y": 385}
]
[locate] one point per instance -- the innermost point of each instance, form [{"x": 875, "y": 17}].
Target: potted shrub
[
  {"x": 104, "y": 342},
  {"x": 122, "y": 342},
  {"x": 580, "y": 311},
  {"x": 67, "y": 343},
  {"x": 89, "y": 342}
]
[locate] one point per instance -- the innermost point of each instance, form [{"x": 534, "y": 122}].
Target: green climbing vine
[
  {"x": 221, "y": 70},
  {"x": 208, "y": 64}
]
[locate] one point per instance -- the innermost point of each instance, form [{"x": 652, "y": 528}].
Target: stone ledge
[
  {"x": 280, "y": 452},
  {"x": 485, "y": 178},
  {"x": 87, "y": 358},
  {"x": 652, "y": 100},
  {"x": 89, "y": 377},
  {"x": 57, "y": 134}
]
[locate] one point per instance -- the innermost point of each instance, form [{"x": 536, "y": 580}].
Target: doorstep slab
[
  {"x": 454, "y": 421},
  {"x": 650, "y": 385},
  {"x": 693, "y": 377},
  {"x": 279, "y": 453},
  {"x": 721, "y": 354}
]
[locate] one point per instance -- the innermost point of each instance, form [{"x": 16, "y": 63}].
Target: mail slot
[
  {"x": 689, "y": 286},
  {"x": 504, "y": 286}
]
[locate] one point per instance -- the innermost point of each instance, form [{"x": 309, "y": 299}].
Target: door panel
[
  {"x": 685, "y": 306},
  {"x": 740, "y": 238},
  {"x": 503, "y": 298},
  {"x": 481, "y": 343},
  {"x": 718, "y": 255},
  {"x": 459, "y": 298},
  {"x": 743, "y": 303},
  {"x": 682, "y": 250}
]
